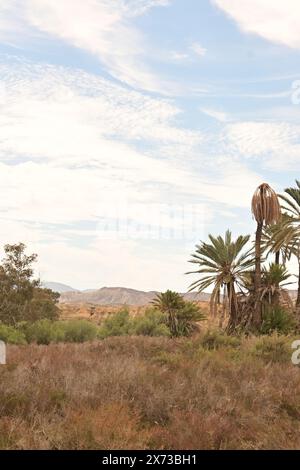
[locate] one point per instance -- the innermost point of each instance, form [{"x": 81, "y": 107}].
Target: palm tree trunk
[
  {"x": 257, "y": 277},
  {"x": 232, "y": 324},
  {"x": 277, "y": 257}
]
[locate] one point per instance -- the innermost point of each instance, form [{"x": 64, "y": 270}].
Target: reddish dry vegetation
[{"x": 151, "y": 393}]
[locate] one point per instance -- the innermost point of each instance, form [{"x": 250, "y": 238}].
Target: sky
[{"x": 131, "y": 129}]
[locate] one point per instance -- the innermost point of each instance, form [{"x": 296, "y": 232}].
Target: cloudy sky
[{"x": 130, "y": 129}]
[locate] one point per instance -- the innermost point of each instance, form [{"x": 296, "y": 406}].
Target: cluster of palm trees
[{"x": 242, "y": 283}]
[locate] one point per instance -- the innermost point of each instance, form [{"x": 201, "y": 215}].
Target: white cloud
[
  {"x": 71, "y": 144},
  {"x": 276, "y": 144},
  {"x": 198, "y": 49},
  {"x": 101, "y": 27},
  {"x": 220, "y": 116},
  {"x": 274, "y": 20}
]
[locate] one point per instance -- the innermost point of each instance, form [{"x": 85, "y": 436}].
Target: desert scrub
[
  {"x": 273, "y": 348},
  {"x": 11, "y": 335},
  {"x": 79, "y": 331},
  {"x": 152, "y": 323},
  {"x": 40, "y": 332},
  {"x": 216, "y": 339},
  {"x": 278, "y": 319},
  {"x": 149, "y": 392},
  {"x": 117, "y": 324}
]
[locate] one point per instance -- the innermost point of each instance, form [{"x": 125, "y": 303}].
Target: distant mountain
[
  {"x": 118, "y": 296},
  {"x": 58, "y": 287}
]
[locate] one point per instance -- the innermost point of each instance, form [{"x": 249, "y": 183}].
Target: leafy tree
[
  {"x": 43, "y": 305},
  {"x": 223, "y": 263},
  {"x": 21, "y": 297}
]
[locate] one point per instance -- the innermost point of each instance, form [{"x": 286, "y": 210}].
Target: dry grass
[{"x": 151, "y": 393}]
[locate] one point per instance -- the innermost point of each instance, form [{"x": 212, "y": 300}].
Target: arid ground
[{"x": 209, "y": 392}]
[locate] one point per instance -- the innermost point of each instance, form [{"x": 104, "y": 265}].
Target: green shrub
[
  {"x": 11, "y": 335},
  {"x": 71, "y": 331},
  {"x": 78, "y": 331},
  {"x": 40, "y": 332},
  {"x": 272, "y": 349},
  {"x": 118, "y": 324},
  {"x": 277, "y": 319},
  {"x": 216, "y": 339},
  {"x": 152, "y": 323}
]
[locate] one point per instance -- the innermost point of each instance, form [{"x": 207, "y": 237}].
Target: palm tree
[
  {"x": 182, "y": 316},
  {"x": 222, "y": 264},
  {"x": 269, "y": 242},
  {"x": 170, "y": 302},
  {"x": 266, "y": 211},
  {"x": 273, "y": 282},
  {"x": 290, "y": 234}
]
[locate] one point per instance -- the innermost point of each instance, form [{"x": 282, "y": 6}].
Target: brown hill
[{"x": 119, "y": 296}]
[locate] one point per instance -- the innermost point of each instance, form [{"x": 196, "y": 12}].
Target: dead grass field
[{"x": 211, "y": 392}]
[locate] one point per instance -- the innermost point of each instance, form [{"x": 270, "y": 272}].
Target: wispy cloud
[
  {"x": 198, "y": 49},
  {"x": 101, "y": 27},
  {"x": 275, "y": 144},
  {"x": 274, "y": 20},
  {"x": 217, "y": 114}
]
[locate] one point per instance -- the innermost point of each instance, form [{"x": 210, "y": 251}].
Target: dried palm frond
[{"x": 265, "y": 205}]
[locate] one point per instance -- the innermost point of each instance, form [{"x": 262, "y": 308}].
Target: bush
[
  {"x": 187, "y": 317},
  {"x": 152, "y": 323},
  {"x": 78, "y": 331},
  {"x": 277, "y": 319},
  {"x": 40, "y": 332},
  {"x": 273, "y": 349},
  {"x": 11, "y": 335},
  {"x": 216, "y": 339},
  {"x": 117, "y": 324}
]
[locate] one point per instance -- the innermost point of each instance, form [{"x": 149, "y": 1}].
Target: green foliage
[
  {"x": 216, "y": 339},
  {"x": 79, "y": 331},
  {"x": 72, "y": 331},
  {"x": 277, "y": 319},
  {"x": 168, "y": 301},
  {"x": 117, "y": 324},
  {"x": 8, "y": 334},
  {"x": 40, "y": 332},
  {"x": 21, "y": 297},
  {"x": 187, "y": 317},
  {"x": 222, "y": 264},
  {"x": 273, "y": 349},
  {"x": 180, "y": 315},
  {"x": 152, "y": 323},
  {"x": 43, "y": 305}
]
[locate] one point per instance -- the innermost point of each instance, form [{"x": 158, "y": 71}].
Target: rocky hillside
[{"x": 118, "y": 296}]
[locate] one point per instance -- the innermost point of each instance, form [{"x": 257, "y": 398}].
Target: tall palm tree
[
  {"x": 266, "y": 211},
  {"x": 290, "y": 234},
  {"x": 222, "y": 264},
  {"x": 269, "y": 242}
]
